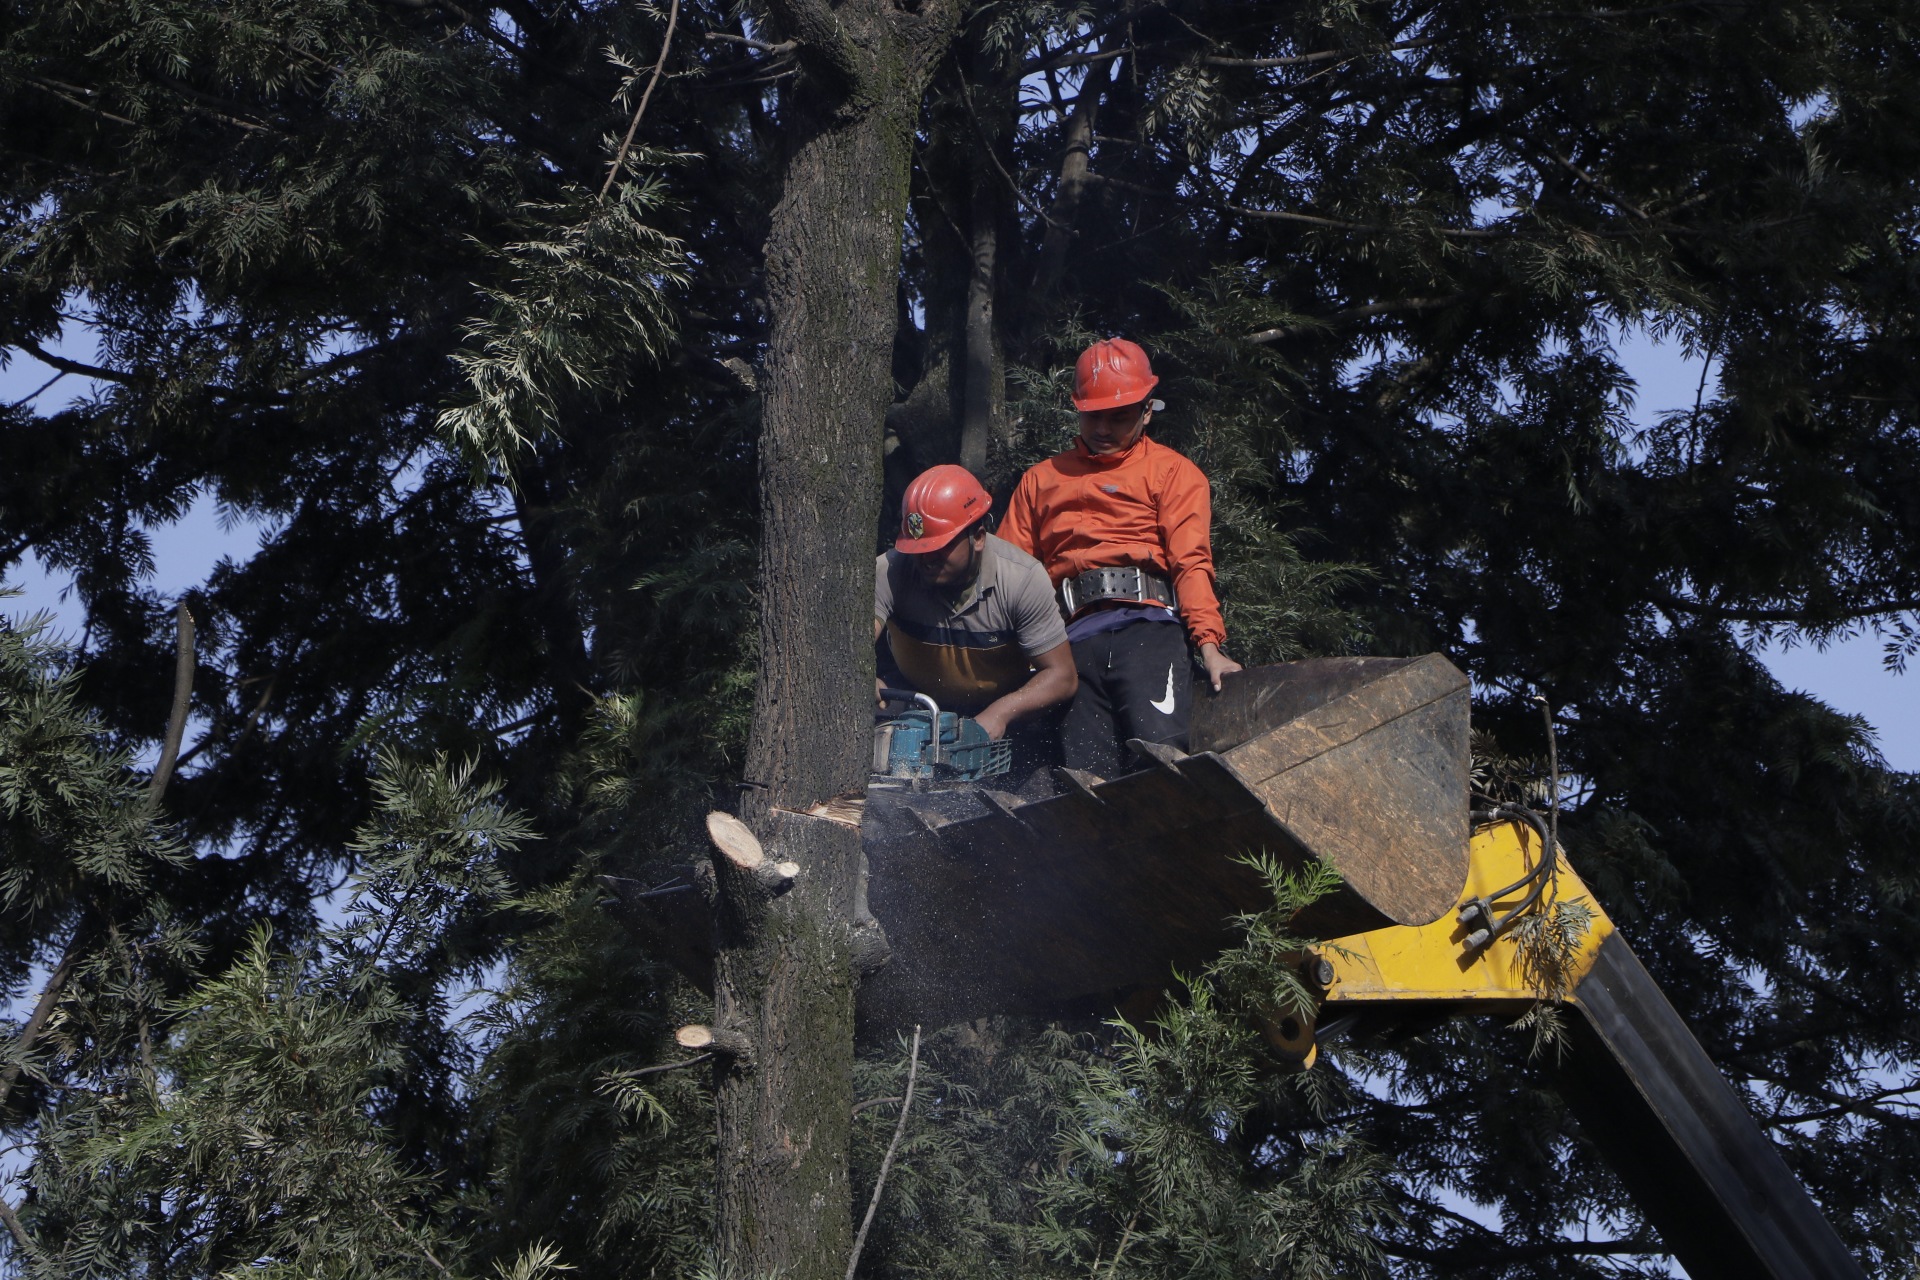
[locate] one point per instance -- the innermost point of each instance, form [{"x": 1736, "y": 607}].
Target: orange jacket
[{"x": 1148, "y": 506}]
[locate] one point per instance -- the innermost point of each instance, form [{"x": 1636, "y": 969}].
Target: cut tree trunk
[{"x": 784, "y": 975}]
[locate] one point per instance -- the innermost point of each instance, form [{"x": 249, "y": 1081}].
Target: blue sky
[{"x": 1848, "y": 675}]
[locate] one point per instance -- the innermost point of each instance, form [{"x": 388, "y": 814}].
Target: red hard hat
[
  {"x": 940, "y": 504},
  {"x": 1111, "y": 372}
]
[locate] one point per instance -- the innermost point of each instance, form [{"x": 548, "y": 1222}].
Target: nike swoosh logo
[{"x": 1164, "y": 705}]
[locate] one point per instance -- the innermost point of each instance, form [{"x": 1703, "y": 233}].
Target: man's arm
[
  {"x": 882, "y": 610},
  {"x": 1018, "y": 526},
  {"x": 1054, "y": 680},
  {"x": 1186, "y": 529}
]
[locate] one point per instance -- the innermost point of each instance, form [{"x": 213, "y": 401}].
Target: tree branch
[
  {"x": 1058, "y": 58},
  {"x": 714, "y": 1042},
  {"x": 42, "y": 1010},
  {"x": 1277, "y": 215},
  {"x": 421, "y": 1245},
  {"x": 1870, "y": 1102},
  {"x": 817, "y": 26},
  {"x": 1803, "y": 616},
  {"x": 1479, "y": 1254},
  {"x": 182, "y": 696},
  {"x": 1354, "y": 313},
  {"x": 15, "y": 1228},
  {"x": 986, "y": 145},
  {"x": 1329, "y": 55},
  {"x": 65, "y": 365},
  {"x": 65, "y": 93}
]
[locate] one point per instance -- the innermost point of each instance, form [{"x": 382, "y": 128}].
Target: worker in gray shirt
[{"x": 969, "y": 620}]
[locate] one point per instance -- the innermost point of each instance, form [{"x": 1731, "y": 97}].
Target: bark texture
[
  {"x": 784, "y": 974},
  {"x": 986, "y": 378},
  {"x": 1074, "y": 167}
]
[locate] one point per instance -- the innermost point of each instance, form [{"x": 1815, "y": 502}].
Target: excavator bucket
[
  {"x": 1070, "y": 903},
  {"x": 1074, "y": 903}
]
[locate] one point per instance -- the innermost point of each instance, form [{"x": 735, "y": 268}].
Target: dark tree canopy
[{"x": 354, "y": 275}]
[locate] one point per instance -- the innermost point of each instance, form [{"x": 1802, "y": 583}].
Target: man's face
[
  {"x": 953, "y": 565},
  {"x": 1114, "y": 430}
]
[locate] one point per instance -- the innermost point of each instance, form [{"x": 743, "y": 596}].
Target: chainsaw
[{"x": 925, "y": 744}]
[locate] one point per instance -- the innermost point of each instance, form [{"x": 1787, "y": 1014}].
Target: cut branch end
[
  {"x": 722, "y": 1042},
  {"x": 735, "y": 841}
]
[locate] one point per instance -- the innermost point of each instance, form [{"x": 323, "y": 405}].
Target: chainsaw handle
[{"x": 908, "y": 695}]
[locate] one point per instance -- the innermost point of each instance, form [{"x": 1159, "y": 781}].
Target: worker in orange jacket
[{"x": 1123, "y": 525}]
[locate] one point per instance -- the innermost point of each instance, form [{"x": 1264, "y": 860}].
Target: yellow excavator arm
[
  {"x": 1645, "y": 1091},
  {"x": 1403, "y": 964}
]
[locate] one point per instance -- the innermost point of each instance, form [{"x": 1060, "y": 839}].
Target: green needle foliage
[
  {"x": 74, "y": 820},
  {"x": 242, "y": 1132},
  {"x": 487, "y": 442},
  {"x": 1176, "y": 1146}
]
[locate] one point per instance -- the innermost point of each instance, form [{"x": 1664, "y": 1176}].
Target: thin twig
[
  {"x": 785, "y": 46},
  {"x": 694, "y": 1061},
  {"x": 786, "y": 65},
  {"x": 439, "y": 1266},
  {"x": 870, "y": 1103},
  {"x": 65, "y": 93},
  {"x": 886, "y": 1163},
  {"x": 1125, "y": 1235},
  {"x": 1351, "y": 313},
  {"x": 626, "y": 143},
  {"x": 1326, "y": 56},
  {"x": 1600, "y": 186},
  {"x": 35, "y": 393},
  {"x": 1699, "y": 397}
]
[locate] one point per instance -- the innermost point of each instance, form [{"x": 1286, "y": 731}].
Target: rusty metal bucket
[{"x": 1064, "y": 905}]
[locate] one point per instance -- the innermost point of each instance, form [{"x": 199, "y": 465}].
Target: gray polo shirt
[{"x": 965, "y": 652}]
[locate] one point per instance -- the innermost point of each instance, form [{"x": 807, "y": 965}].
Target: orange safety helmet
[
  {"x": 941, "y": 504},
  {"x": 1111, "y": 373}
]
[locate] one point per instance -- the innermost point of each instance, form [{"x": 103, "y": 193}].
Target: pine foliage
[
  {"x": 496, "y": 438},
  {"x": 1175, "y": 1146},
  {"x": 74, "y": 820}
]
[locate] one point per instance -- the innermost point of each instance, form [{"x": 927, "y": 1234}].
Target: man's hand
[
  {"x": 878, "y": 685},
  {"x": 994, "y": 721},
  {"x": 1217, "y": 664}
]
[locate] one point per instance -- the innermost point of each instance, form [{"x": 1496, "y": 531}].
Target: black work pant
[{"x": 1136, "y": 682}]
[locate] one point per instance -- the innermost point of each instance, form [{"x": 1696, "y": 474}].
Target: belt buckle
[{"x": 1121, "y": 581}]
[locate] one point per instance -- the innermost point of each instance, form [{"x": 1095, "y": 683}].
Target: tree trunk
[
  {"x": 986, "y": 379},
  {"x": 1075, "y": 164},
  {"x": 784, "y": 977}
]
